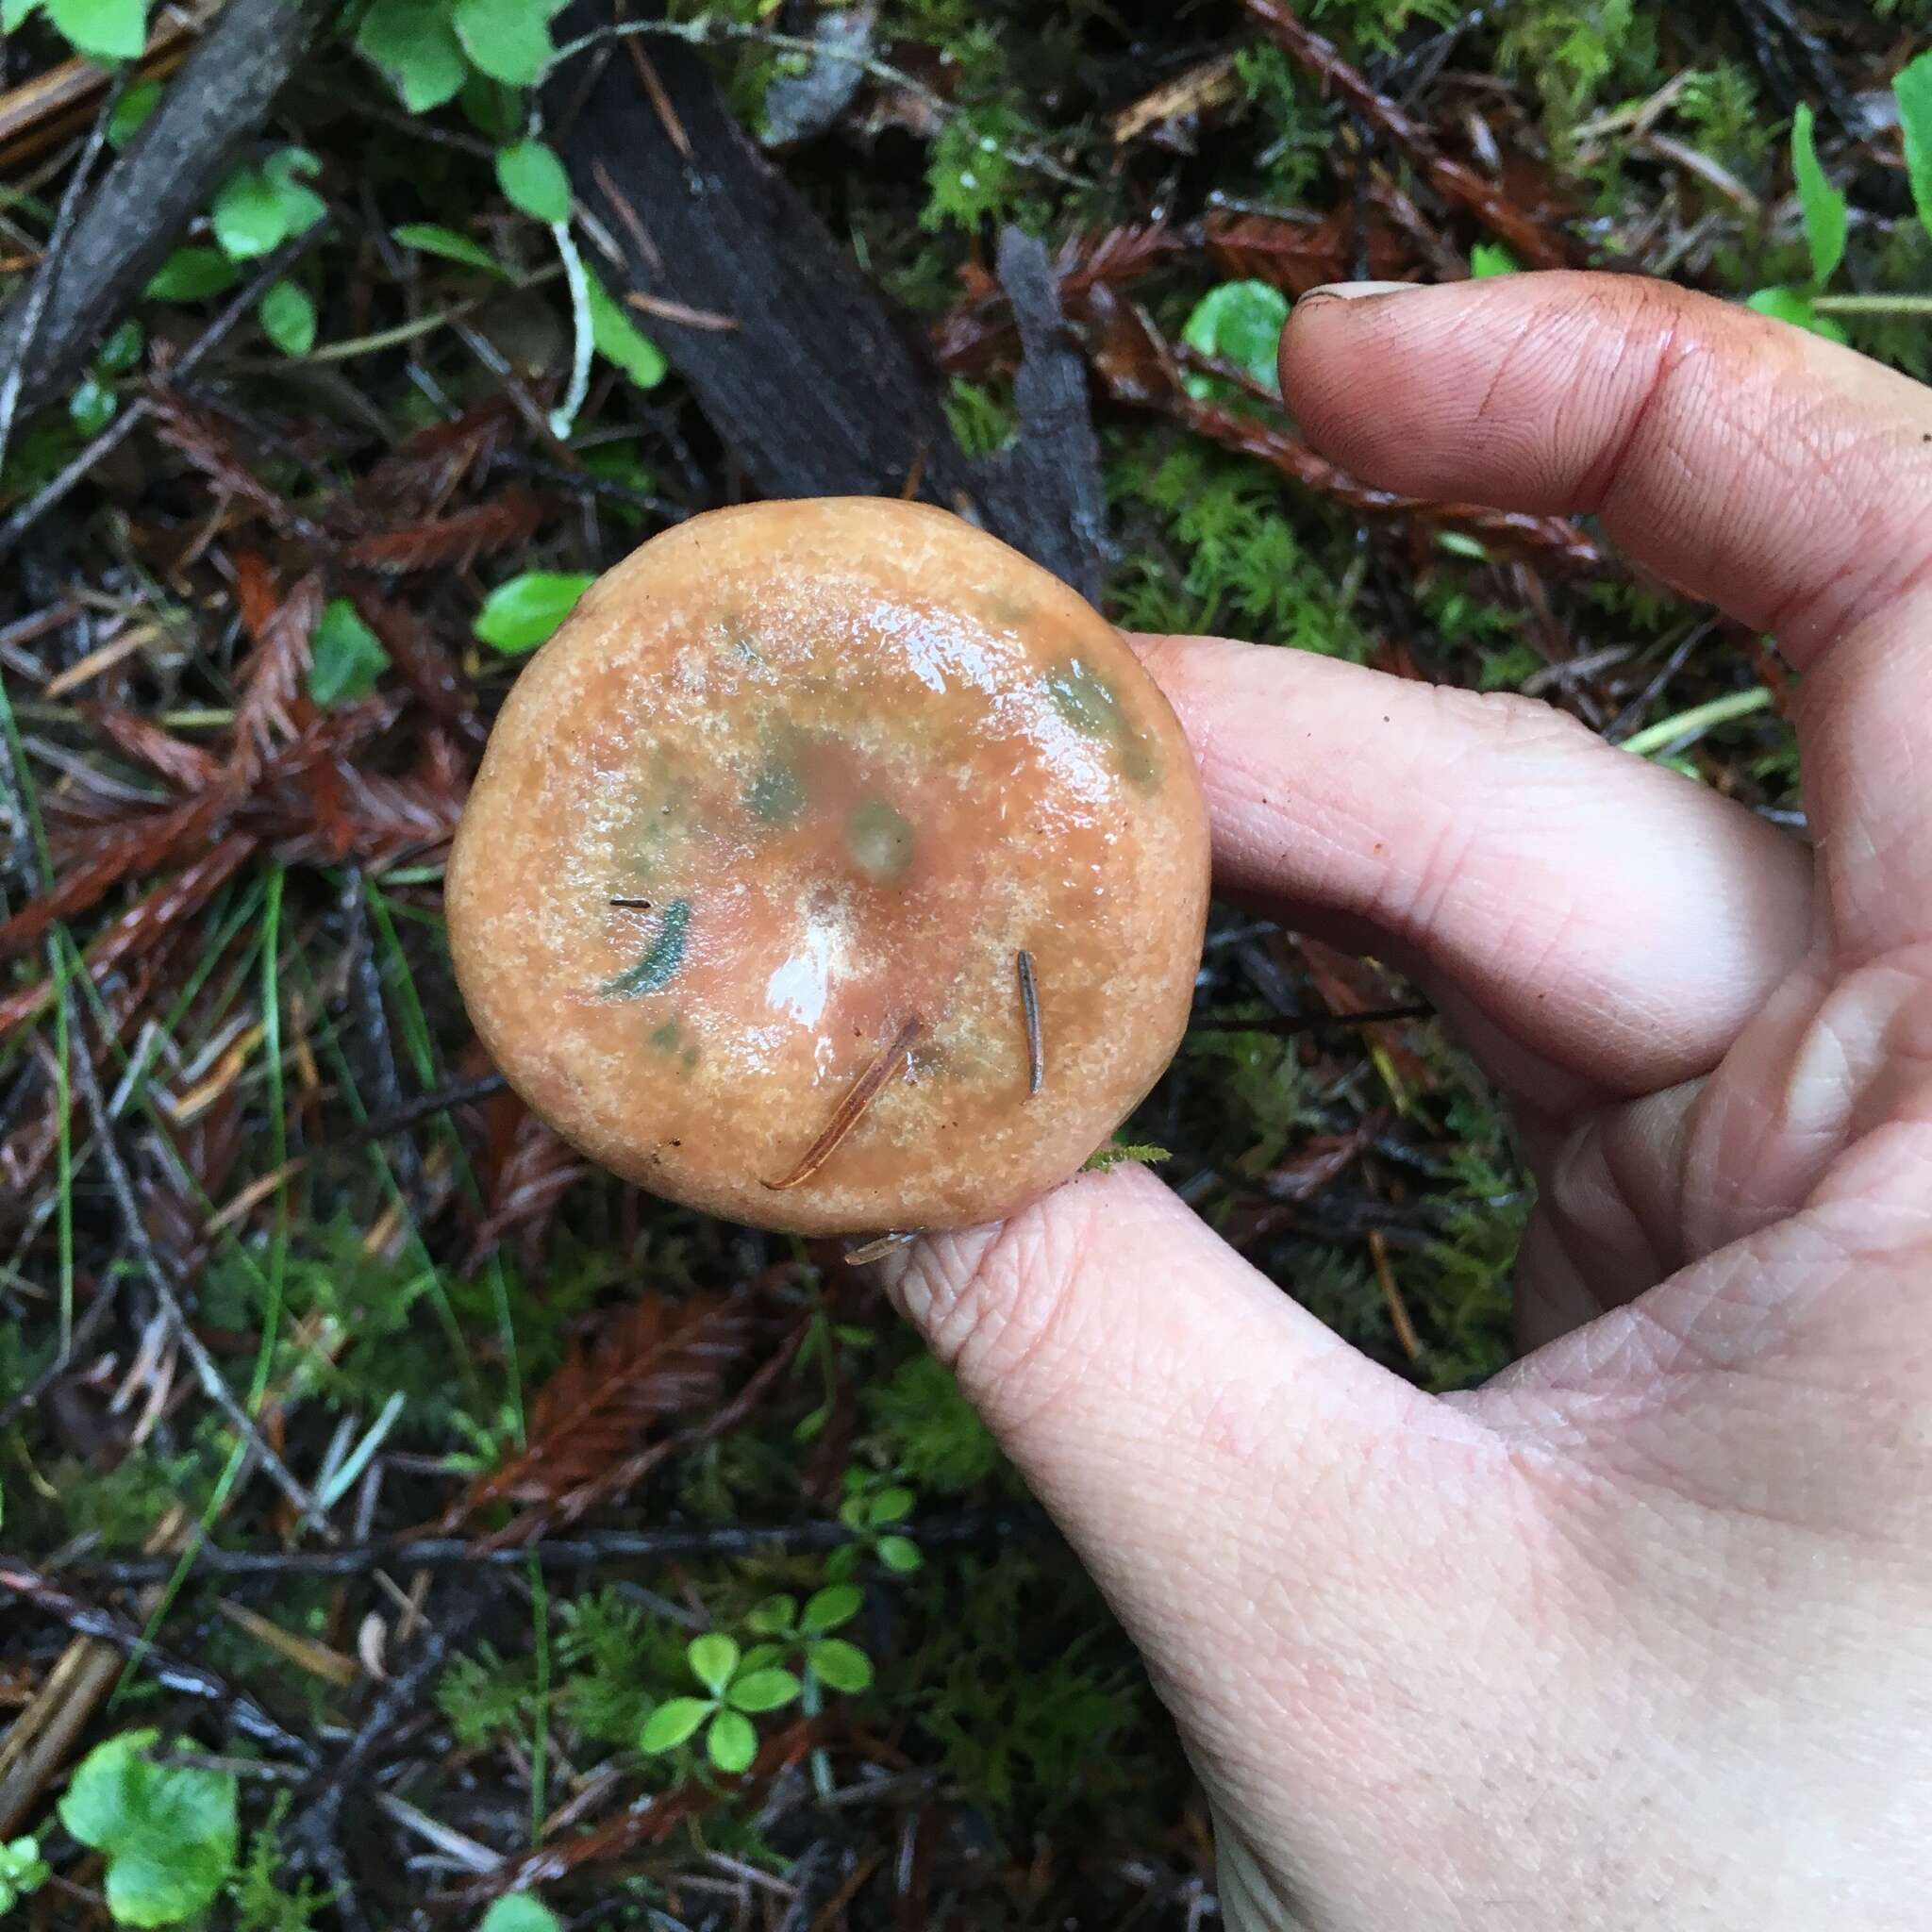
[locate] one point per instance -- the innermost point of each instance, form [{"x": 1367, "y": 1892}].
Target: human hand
[{"x": 1640, "y": 1633}]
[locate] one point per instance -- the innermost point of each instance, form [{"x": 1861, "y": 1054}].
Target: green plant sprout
[
  {"x": 22, "y": 1871},
  {"x": 737, "y": 1689},
  {"x": 1826, "y": 216},
  {"x": 873, "y": 1505},
  {"x": 168, "y": 1831}
]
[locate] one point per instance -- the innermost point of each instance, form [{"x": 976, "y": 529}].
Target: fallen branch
[
  {"x": 31, "y": 1586},
  {"x": 820, "y": 390},
  {"x": 721, "y": 1539},
  {"x": 171, "y": 170}
]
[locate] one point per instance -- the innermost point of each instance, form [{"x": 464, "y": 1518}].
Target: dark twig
[
  {"x": 84, "y": 1618},
  {"x": 314, "y": 1837},
  {"x": 587, "y": 1551},
  {"x": 372, "y": 1042},
  {"x": 1314, "y": 1023},
  {"x": 33, "y": 306},
  {"x": 134, "y": 1231}
]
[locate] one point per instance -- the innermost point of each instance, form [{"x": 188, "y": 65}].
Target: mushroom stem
[{"x": 851, "y": 1109}]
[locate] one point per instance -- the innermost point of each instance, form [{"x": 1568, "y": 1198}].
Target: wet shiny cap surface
[{"x": 739, "y": 902}]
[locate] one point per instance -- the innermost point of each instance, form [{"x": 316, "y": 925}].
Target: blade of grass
[{"x": 1699, "y": 719}]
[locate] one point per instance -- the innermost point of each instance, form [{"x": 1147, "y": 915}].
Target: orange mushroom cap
[{"x": 740, "y": 901}]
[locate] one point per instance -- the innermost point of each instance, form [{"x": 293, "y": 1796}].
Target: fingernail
[{"x": 1354, "y": 292}]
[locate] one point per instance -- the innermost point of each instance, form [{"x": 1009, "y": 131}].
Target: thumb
[{"x": 1205, "y": 1443}]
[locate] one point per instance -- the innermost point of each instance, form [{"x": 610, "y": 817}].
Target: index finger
[{"x": 1781, "y": 476}]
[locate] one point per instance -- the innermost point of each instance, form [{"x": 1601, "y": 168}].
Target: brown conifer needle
[
  {"x": 851, "y": 1109},
  {"x": 1029, "y": 1008}
]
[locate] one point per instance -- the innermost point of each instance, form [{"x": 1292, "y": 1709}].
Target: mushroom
[{"x": 834, "y": 868}]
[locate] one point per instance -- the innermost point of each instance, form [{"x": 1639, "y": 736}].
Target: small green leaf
[
  {"x": 618, "y": 340},
  {"x": 1912, "y": 90},
  {"x": 168, "y": 1831},
  {"x": 841, "y": 1665},
  {"x": 122, "y": 350},
  {"x": 673, "y": 1722},
  {"x": 346, "y": 657},
  {"x": 533, "y": 180},
  {"x": 102, "y": 29},
  {"x": 761, "y": 1689},
  {"x": 1239, "y": 323},
  {"x": 131, "y": 111},
  {"x": 92, "y": 405},
  {"x": 507, "y": 40},
  {"x": 288, "y": 318},
  {"x": 1489, "y": 258},
  {"x": 519, "y": 615},
  {"x": 247, "y": 215},
  {"x": 893, "y": 1504},
  {"x": 22, "y": 1871},
  {"x": 14, "y": 14},
  {"x": 433, "y": 239},
  {"x": 775, "y": 1616},
  {"x": 192, "y": 275},
  {"x": 712, "y": 1659},
  {"x": 731, "y": 1742},
  {"x": 1822, "y": 206},
  {"x": 259, "y": 208},
  {"x": 520, "y": 1911},
  {"x": 415, "y": 43},
  {"x": 1793, "y": 305},
  {"x": 899, "y": 1553},
  {"x": 830, "y": 1608},
  {"x": 496, "y": 112}
]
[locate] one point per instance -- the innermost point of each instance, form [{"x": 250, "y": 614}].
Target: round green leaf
[
  {"x": 168, "y": 1831},
  {"x": 1794, "y": 307},
  {"x": 899, "y": 1553},
  {"x": 247, "y": 215},
  {"x": 713, "y": 1657},
  {"x": 775, "y": 1616},
  {"x": 122, "y": 350},
  {"x": 508, "y": 40},
  {"x": 762, "y": 1690},
  {"x": 841, "y": 1665},
  {"x": 414, "y": 44},
  {"x": 1239, "y": 323},
  {"x": 520, "y": 1911},
  {"x": 533, "y": 180},
  {"x": 520, "y": 614},
  {"x": 731, "y": 1742},
  {"x": 890, "y": 1506},
  {"x": 288, "y": 318},
  {"x": 830, "y": 1608},
  {"x": 673, "y": 1722},
  {"x": 102, "y": 29},
  {"x": 345, "y": 656},
  {"x": 92, "y": 405}
]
